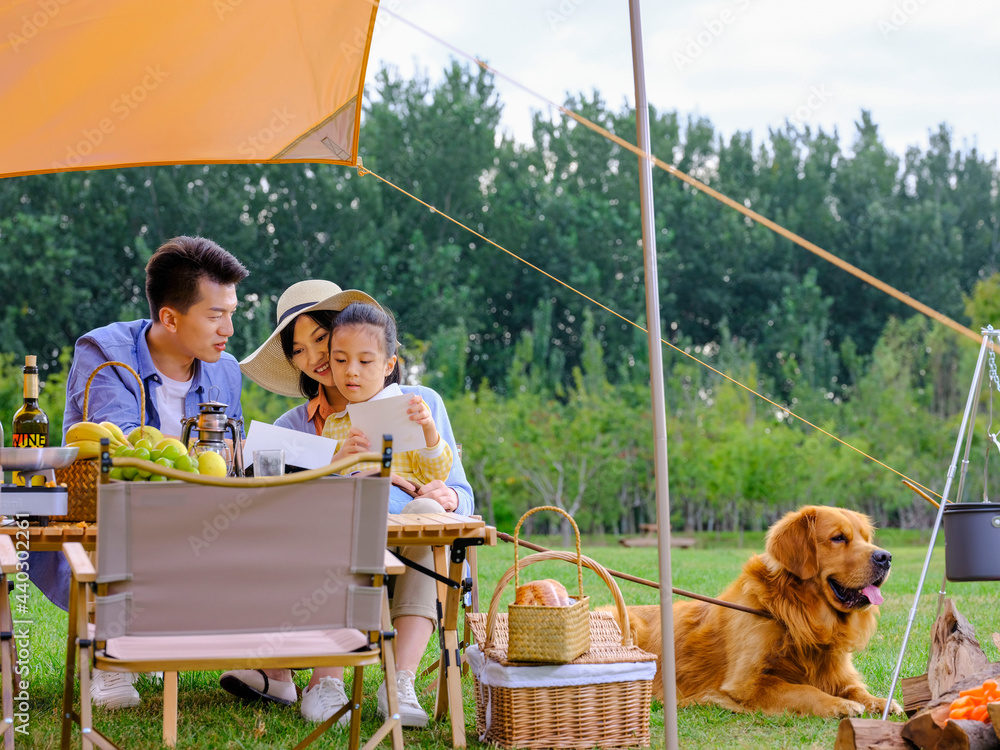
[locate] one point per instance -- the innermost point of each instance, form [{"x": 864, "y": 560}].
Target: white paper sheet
[
  {"x": 385, "y": 414},
  {"x": 301, "y": 449}
]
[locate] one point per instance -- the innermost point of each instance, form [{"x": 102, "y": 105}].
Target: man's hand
[{"x": 444, "y": 495}]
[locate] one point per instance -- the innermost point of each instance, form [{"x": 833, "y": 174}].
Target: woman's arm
[{"x": 296, "y": 419}]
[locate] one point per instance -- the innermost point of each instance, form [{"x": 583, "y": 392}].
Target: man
[{"x": 180, "y": 355}]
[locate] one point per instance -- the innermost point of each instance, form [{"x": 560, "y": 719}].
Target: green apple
[
  {"x": 151, "y": 434},
  {"x": 171, "y": 451}
]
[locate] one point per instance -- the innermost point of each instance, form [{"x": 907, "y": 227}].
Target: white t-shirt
[{"x": 169, "y": 398}]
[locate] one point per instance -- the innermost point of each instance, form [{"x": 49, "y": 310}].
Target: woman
[{"x": 294, "y": 361}]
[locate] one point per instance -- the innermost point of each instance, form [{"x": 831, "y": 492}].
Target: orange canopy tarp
[{"x": 89, "y": 84}]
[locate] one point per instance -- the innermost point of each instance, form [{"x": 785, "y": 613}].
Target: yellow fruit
[
  {"x": 88, "y": 431},
  {"x": 151, "y": 434},
  {"x": 116, "y": 432},
  {"x": 86, "y": 448},
  {"x": 212, "y": 464}
]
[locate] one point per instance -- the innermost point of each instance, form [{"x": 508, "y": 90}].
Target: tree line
[{"x": 548, "y": 393}]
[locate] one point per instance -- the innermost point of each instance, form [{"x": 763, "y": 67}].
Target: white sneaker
[
  {"x": 410, "y": 712},
  {"x": 324, "y": 700},
  {"x": 114, "y": 689}
]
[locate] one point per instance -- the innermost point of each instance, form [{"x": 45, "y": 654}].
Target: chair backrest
[{"x": 189, "y": 559}]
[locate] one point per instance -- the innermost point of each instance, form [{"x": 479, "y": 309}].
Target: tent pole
[
  {"x": 968, "y": 423},
  {"x": 656, "y": 381}
]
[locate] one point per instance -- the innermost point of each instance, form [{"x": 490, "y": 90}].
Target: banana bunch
[{"x": 87, "y": 437}]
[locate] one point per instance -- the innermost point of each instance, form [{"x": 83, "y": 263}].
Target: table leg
[
  {"x": 453, "y": 664},
  {"x": 450, "y": 681},
  {"x": 441, "y": 567}
]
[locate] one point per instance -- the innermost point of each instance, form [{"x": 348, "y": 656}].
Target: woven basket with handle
[
  {"x": 551, "y": 635},
  {"x": 81, "y": 476},
  {"x": 606, "y": 714}
]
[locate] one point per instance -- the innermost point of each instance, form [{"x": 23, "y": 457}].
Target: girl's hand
[
  {"x": 438, "y": 491},
  {"x": 421, "y": 414},
  {"x": 355, "y": 442}
]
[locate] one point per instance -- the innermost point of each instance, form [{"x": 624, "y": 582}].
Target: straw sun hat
[{"x": 267, "y": 366}]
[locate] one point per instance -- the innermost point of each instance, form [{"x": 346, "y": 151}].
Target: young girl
[
  {"x": 362, "y": 356},
  {"x": 295, "y": 362}
]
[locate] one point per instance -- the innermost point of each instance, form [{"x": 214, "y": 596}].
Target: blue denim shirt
[
  {"x": 298, "y": 419},
  {"x": 114, "y": 392},
  {"x": 114, "y": 397}
]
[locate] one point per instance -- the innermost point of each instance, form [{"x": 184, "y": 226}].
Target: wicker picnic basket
[
  {"x": 610, "y": 710},
  {"x": 81, "y": 476},
  {"x": 552, "y": 635}
]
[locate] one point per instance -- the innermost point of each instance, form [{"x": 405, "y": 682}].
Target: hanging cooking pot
[{"x": 972, "y": 541}]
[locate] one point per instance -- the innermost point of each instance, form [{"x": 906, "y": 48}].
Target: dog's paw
[
  {"x": 876, "y": 706},
  {"x": 847, "y": 708}
]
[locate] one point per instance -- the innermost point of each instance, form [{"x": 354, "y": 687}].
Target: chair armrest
[
  {"x": 79, "y": 562},
  {"x": 393, "y": 565},
  {"x": 8, "y": 557}
]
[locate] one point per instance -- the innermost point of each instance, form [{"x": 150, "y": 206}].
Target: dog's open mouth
[{"x": 856, "y": 597}]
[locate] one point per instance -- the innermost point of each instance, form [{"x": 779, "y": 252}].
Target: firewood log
[
  {"x": 916, "y": 693},
  {"x": 994, "y": 711},
  {"x": 932, "y": 730},
  {"x": 870, "y": 734},
  {"x": 955, "y": 652}
]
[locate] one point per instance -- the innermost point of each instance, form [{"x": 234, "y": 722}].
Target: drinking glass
[{"x": 269, "y": 463}]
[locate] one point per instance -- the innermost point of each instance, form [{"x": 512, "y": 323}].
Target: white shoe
[
  {"x": 114, "y": 689},
  {"x": 410, "y": 712},
  {"x": 324, "y": 700}
]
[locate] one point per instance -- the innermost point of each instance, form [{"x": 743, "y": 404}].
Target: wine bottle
[{"x": 30, "y": 424}]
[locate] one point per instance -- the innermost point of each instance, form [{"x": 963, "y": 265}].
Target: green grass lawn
[{"x": 210, "y": 718}]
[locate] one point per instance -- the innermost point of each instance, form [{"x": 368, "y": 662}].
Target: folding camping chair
[
  {"x": 183, "y": 584},
  {"x": 8, "y": 566}
]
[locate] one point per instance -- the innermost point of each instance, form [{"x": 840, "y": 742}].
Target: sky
[{"x": 746, "y": 65}]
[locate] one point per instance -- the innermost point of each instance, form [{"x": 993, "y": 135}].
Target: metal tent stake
[{"x": 990, "y": 338}]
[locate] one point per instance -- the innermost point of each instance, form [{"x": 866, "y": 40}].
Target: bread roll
[{"x": 545, "y": 593}]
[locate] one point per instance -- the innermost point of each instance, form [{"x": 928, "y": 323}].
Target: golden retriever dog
[{"x": 819, "y": 581}]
